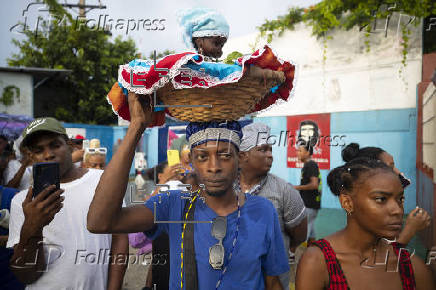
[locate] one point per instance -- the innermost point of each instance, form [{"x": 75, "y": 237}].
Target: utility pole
[{"x": 83, "y": 8}]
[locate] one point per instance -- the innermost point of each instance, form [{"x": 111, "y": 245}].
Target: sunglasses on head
[{"x": 101, "y": 150}]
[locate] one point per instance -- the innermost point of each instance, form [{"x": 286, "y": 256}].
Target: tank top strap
[
  {"x": 405, "y": 266},
  {"x": 337, "y": 280}
]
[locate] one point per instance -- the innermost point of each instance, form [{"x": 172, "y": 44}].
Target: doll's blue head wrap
[{"x": 202, "y": 22}]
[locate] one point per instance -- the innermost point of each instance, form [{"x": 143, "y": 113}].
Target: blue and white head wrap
[
  {"x": 202, "y": 22},
  {"x": 199, "y": 133}
]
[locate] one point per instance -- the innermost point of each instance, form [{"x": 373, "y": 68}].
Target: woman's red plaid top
[{"x": 337, "y": 277}]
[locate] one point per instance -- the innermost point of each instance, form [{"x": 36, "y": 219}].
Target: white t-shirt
[
  {"x": 84, "y": 260},
  {"x": 12, "y": 169},
  {"x": 174, "y": 185}
]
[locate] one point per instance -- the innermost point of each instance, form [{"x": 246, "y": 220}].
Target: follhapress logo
[
  {"x": 38, "y": 18},
  {"x": 105, "y": 23}
]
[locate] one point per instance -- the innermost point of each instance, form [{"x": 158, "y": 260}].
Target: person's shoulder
[
  {"x": 19, "y": 197},
  {"x": 170, "y": 196},
  {"x": 274, "y": 179},
  {"x": 422, "y": 273},
  {"x": 312, "y": 163},
  {"x": 313, "y": 254},
  {"x": 312, "y": 264},
  {"x": 260, "y": 202},
  {"x": 282, "y": 186},
  {"x": 14, "y": 163},
  {"x": 91, "y": 174}
]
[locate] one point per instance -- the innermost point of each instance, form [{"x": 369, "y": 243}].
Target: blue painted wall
[
  {"x": 152, "y": 147},
  {"x": 392, "y": 130},
  {"x": 109, "y": 135}
]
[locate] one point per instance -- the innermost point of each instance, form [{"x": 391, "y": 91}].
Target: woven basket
[{"x": 227, "y": 102}]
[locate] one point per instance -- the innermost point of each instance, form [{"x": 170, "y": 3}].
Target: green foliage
[
  {"x": 89, "y": 53},
  {"x": 278, "y": 26},
  {"x": 9, "y": 94},
  {"x": 161, "y": 54},
  {"x": 328, "y": 15},
  {"x": 231, "y": 57}
]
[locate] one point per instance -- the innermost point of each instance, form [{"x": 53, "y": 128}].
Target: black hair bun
[
  {"x": 350, "y": 152},
  {"x": 334, "y": 180}
]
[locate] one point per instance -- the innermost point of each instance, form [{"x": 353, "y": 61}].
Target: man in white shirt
[{"x": 52, "y": 247}]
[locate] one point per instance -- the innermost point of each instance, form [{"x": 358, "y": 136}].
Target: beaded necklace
[
  {"x": 231, "y": 251},
  {"x": 233, "y": 245}
]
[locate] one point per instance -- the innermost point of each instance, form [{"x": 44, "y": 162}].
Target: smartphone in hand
[
  {"x": 44, "y": 175},
  {"x": 173, "y": 157}
]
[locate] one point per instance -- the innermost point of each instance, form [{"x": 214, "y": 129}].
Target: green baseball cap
[{"x": 47, "y": 124}]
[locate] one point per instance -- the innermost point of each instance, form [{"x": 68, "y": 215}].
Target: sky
[{"x": 243, "y": 17}]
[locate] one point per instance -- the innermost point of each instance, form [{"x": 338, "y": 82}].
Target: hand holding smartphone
[{"x": 44, "y": 175}]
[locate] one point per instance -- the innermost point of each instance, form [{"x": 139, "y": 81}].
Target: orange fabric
[{"x": 120, "y": 106}]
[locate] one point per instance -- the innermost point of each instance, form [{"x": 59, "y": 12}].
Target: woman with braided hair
[
  {"x": 418, "y": 219},
  {"x": 362, "y": 255}
]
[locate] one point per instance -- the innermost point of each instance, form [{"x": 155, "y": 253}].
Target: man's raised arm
[{"x": 106, "y": 214}]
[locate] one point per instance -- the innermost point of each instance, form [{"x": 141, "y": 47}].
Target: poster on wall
[{"x": 311, "y": 128}]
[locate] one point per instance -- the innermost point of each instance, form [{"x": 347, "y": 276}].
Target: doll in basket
[
  {"x": 176, "y": 76},
  {"x": 204, "y": 30}
]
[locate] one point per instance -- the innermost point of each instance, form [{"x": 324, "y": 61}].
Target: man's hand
[
  {"x": 27, "y": 159},
  {"x": 40, "y": 211},
  {"x": 141, "y": 111}
]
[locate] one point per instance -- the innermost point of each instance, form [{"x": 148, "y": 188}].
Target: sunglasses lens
[
  {"x": 219, "y": 227},
  {"x": 216, "y": 256}
]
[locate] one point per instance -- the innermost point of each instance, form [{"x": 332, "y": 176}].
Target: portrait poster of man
[{"x": 314, "y": 129}]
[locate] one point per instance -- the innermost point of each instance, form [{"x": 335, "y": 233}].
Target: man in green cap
[{"x": 48, "y": 232}]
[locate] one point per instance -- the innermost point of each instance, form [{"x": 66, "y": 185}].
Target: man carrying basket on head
[
  {"x": 241, "y": 249},
  {"x": 220, "y": 238}
]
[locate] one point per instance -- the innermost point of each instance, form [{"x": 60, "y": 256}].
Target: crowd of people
[{"x": 224, "y": 220}]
